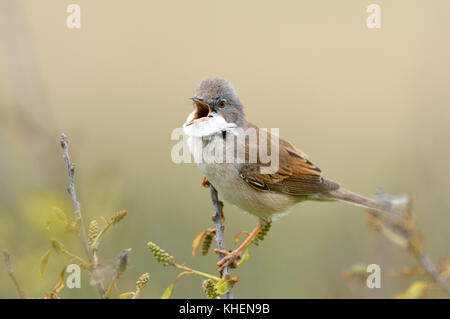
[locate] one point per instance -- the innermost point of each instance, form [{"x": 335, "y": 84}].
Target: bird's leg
[
  {"x": 230, "y": 258},
  {"x": 205, "y": 182}
]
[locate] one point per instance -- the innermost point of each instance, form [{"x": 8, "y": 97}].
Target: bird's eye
[{"x": 222, "y": 103}]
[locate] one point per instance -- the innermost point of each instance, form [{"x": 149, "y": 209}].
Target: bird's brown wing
[{"x": 296, "y": 175}]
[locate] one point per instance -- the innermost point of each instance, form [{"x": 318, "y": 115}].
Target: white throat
[{"x": 206, "y": 127}]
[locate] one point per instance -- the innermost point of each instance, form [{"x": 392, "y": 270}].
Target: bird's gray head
[{"x": 214, "y": 100}]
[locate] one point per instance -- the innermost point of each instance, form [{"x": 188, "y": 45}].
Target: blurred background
[{"x": 369, "y": 106}]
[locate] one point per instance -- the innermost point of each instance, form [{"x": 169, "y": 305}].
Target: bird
[{"x": 218, "y": 118}]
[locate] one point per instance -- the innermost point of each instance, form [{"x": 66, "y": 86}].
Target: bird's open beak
[{"x": 202, "y": 111}]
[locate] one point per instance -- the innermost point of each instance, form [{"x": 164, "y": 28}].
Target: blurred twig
[
  {"x": 217, "y": 219},
  {"x": 401, "y": 229},
  {"x": 433, "y": 272},
  {"x": 7, "y": 259},
  {"x": 71, "y": 189},
  {"x": 119, "y": 269}
]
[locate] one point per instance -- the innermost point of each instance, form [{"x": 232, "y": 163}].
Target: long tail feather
[{"x": 350, "y": 197}]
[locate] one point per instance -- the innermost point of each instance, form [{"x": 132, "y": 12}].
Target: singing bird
[{"x": 218, "y": 117}]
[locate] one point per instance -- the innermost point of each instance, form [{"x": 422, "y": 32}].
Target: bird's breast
[{"x": 231, "y": 187}]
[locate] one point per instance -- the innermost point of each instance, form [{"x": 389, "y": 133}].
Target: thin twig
[
  {"x": 426, "y": 262},
  {"x": 217, "y": 219},
  {"x": 73, "y": 195},
  {"x": 433, "y": 272},
  {"x": 394, "y": 217},
  {"x": 198, "y": 273},
  {"x": 9, "y": 267}
]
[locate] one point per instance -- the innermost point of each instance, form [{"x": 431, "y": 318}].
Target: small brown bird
[{"x": 219, "y": 118}]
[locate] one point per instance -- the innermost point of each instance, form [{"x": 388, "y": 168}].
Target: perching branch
[
  {"x": 217, "y": 219},
  {"x": 7, "y": 259},
  {"x": 71, "y": 189}
]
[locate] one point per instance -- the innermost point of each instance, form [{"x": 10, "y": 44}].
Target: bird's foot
[{"x": 230, "y": 259}]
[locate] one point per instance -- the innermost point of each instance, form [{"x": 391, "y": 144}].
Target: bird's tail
[{"x": 350, "y": 197}]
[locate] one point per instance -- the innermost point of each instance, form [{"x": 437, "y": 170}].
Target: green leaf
[
  {"x": 71, "y": 224},
  {"x": 243, "y": 259},
  {"x": 57, "y": 246},
  {"x": 395, "y": 237},
  {"x": 168, "y": 293},
  {"x": 125, "y": 295},
  {"x": 60, "y": 284},
  {"x": 223, "y": 286},
  {"x": 53, "y": 294},
  {"x": 417, "y": 290},
  {"x": 60, "y": 214},
  {"x": 44, "y": 261}
]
